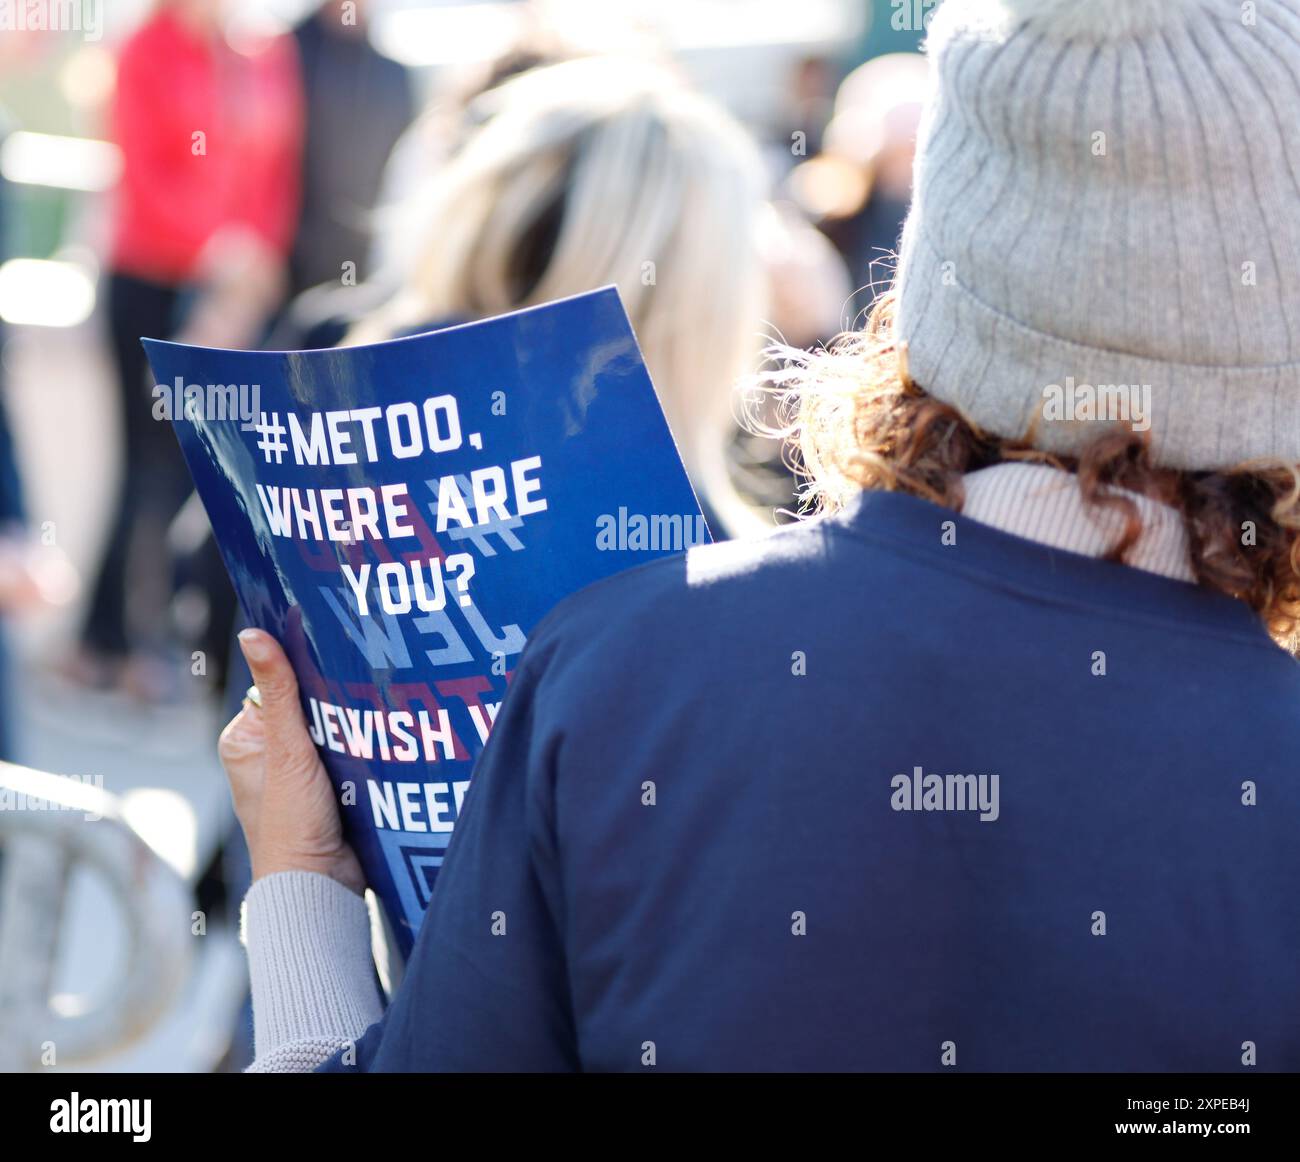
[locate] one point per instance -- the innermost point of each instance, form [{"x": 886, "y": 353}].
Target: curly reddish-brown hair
[{"x": 855, "y": 419}]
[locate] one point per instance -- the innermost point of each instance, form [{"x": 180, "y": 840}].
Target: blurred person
[
  {"x": 442, "y": 129},
  {"x": 1028, "y": 802},
  {"x": 32, "y": 576},
  {"x": 807, "y": 107},
  {"x": 11, "y": 489},
  {"x": 14, "y": 581},
  {"x": 202, "y": 222},
  {"x": 895, "y": 26},
  {"x": 859, "y": 187},
  {"x": 322, "y": 315},
  {"x": 357, "y": 104},
  {"x": 599, "y": 171}
]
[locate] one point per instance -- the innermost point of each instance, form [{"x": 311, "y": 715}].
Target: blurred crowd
[{"x": 300, "y": 188}]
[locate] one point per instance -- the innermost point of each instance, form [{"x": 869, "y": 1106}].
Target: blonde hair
[{"x": 597, "y": 171}]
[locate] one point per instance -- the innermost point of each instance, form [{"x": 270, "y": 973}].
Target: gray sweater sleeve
[{"x": 309, "y": 963}]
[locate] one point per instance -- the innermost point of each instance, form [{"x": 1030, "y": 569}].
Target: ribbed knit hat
[{"x": 1107, "y": 197}]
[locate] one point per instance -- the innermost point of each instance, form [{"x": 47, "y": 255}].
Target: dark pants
[{"x": 129, "y": 605}]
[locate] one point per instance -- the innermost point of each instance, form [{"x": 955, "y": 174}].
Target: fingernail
[{"x": 253, "y": 645}]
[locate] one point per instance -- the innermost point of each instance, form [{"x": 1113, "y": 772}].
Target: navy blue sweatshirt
[{"x": 855, "y": 798}]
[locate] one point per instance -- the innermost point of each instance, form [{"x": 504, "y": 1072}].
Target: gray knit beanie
[{"x": 1106, "y": 224}]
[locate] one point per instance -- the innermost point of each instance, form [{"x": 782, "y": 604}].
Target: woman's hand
[{"x": 284, "y": 799}]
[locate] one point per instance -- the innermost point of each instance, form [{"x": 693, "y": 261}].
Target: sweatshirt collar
[{"x": 958, "y": 543}]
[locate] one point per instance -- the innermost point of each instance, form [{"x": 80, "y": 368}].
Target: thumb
[{"x": 289, "y": 747}]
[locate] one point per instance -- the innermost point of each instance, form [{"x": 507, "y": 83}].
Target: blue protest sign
[{"x": 401, "y": 515}]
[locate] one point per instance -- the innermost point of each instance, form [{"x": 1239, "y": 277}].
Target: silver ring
[{"x": 253, "y": 695}]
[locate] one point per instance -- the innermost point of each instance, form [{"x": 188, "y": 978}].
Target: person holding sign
[{"x": 991, "y": 766}]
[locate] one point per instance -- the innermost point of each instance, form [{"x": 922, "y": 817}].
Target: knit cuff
[
  {"x": 296, "y": 1057},
  {"x": 308, "y": 941}
]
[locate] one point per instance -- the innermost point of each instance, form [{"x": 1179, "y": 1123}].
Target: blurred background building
[{"x": 116, "y": 612}]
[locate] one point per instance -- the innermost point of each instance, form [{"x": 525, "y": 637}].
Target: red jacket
[{"x": 178, "y": 189}]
